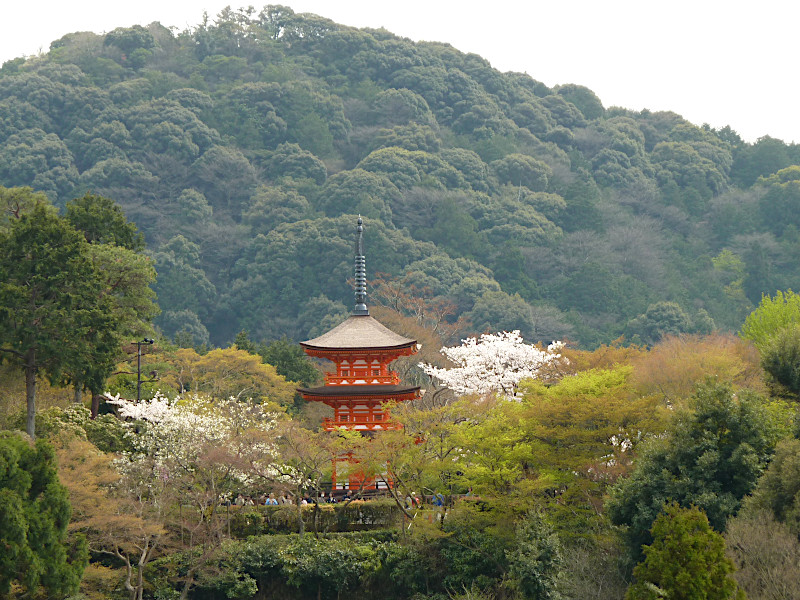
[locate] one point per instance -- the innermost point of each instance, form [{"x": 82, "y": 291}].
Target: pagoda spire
[{"x": 361, "y": 273}]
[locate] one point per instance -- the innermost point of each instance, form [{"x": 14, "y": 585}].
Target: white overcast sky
[{"x": 722, "y": 62}]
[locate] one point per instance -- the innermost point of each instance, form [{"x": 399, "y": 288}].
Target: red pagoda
[{"x": 361, "y": 348}]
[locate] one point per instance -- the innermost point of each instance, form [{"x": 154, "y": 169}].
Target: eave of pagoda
[
  {"x": 384, "y": 355},
  {"x": 334, "y": 395}
]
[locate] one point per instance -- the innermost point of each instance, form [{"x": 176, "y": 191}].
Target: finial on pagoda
[{"x": 361, "y": 272}]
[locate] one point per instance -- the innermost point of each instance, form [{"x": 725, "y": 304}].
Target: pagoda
[{"x": 362, "y": 349}]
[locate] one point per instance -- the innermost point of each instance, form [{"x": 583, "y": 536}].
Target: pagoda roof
[
  {"x": 359, "y": 390},
  {"x": 359, "y": 332}
]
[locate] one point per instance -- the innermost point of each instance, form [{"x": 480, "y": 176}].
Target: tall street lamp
[{"x": 139, "y": 367}]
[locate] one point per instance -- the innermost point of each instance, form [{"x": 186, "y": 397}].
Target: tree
[
  {"x": 226, "y": 177},
  {"x": 766, "y": 555},
  {"x": 522, "y": 170},
  {"x": 306, "y": 461},
  {"x": 452, "y": 227},
  {"x": 659, "y": 320},
  {"x": 400, "y": 107},
  {"x": 778, "y": 491},
  {"x": 289, "y": 361},
  {"x": 15, "y": 202},
  {"x": 130, "y": 39},
  {"x": 768, "y": 155},
  {"x": 584, "y": 430},
  {"x": 779, "y": 205},
  {"x": 290, "y": 160},
  {"x": 228, "y": 373},
  {"x": 780, "y": 358},
  {"x": 583, "y": 98},
  {"x": 564, "y": 112},
  {"x": 102, "y": 221},
  {"x": 34, "y": 515},
  {"x": 498, "y": 310},
  {"x": 41, "y": 160},
  {"x": 122, "y": 516},
  {"x": 711, "y": 458},
  {"x": 199, "y": 451},
  {"x": 359, "y": 191},
  {"x": 772, "y": 315},
  {"x": 673, "y": 368},
  {"x": 180, "y": 270},
  {"x": 494, "y": 363},
  {"x": 116, "y": 251},
  {"x": 535, "y": 562},
  {"x": 54, "y": 318},
  {"x": 273, "y": 206},
  {"x": 686, "y": 560}
]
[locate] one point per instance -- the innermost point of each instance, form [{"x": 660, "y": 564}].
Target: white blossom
[
  {"x": 174, "y": 434},
  {"x": 493, "y": 363}
]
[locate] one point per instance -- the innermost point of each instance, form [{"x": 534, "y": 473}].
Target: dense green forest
[{"x": 244, "y": 146}]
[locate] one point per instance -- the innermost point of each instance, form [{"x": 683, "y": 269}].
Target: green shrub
[{"x": 355, "y": 516}]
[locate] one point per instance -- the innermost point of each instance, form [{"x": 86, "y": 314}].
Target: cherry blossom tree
[
  {"x": 204, "y": 450},
  {"x": 175, "y": 433},
  {"x": 495, "y": 363}
]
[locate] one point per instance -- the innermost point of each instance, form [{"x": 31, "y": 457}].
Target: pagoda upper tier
[{"x": 362, "y": 349}]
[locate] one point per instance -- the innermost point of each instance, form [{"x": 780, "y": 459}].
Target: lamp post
[{"x": 139, "y": 367}]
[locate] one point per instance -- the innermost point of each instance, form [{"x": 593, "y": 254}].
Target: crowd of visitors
[
  {"x": 283, "y": 499},
  {"x": 411, "y": 500}
]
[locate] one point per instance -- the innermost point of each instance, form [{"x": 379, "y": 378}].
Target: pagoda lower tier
[{"x": 359, "y": 407}]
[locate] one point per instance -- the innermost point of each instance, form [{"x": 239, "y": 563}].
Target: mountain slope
[{"x": 244, "y": 148}]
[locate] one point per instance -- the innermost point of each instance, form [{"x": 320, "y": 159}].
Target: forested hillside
[{"x": 244, "y": 147}]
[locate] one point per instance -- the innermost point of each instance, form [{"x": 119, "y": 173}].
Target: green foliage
[
  {"x": 780, "y": 359},
  {"x": 584, "y": 98},
  {"x": 521, "y": 170},
  {"x": 659, "y": 320},
  {"x": 711, "y": 458},
  {"x": 765, "y": 157},
  {"x": 290, "y": 361},
  {"x": 290, "y": 160},
  {"x": 499, "y": 310},
  {"x": 268, "y": 118},
  {"x": 130, "y": 39},
  {"x": 177, "y": 265},
  {"x": 308, "y": 566},
  {"x": 34, "y": 515},
  {"x": 779, "y": 206},
  {"x": 39, "y": 159},
  {"x": 685, "y": 561},
  {"x": 772, "y": 315},
  {"x": 273, "y": 206},
  {"x": 355, "y": 516},
  {"x": 54, "y": 318},
  {"x": 778, "y": 490},
  {"x": 106, "y": 432},
  {"x": 102, "y": 222},
  {"x": 476, "y": 551},
  {"x": 359, "y": 192},
  {"x": 535, "y": 562}
]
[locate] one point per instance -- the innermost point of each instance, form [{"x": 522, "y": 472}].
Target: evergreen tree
[
  {"x": 711, "y": 458},
  {"x": 535, "y": 562},
  {"x": 686, "y": 560},
  {"x": 54, "y": 320},
  {"x": 34, "y": 514}
]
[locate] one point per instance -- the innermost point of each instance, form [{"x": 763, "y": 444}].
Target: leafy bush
[{"x": 355, "y": 516}]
